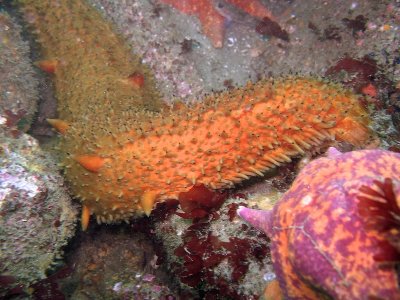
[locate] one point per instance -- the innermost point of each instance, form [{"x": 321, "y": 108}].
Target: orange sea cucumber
[{"x": 126, "y": 150}]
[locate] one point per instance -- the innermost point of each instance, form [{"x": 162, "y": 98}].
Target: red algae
[
  {"x": 362, "y": 71},
  {"x": 199, "y": 201},
  {"x": 203, "y": 253}
]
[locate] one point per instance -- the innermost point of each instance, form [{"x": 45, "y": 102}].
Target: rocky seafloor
[{"x": 170, "y": 255}]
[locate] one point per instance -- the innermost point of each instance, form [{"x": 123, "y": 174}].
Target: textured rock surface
[
  {"x": 114, "y": 263},
  {"x": 37, "y": 216},
  {"x": 186, "y": 64},
  {"x": 18, "y": 85}
]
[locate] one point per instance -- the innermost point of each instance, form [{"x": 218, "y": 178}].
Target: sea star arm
[{"x": 254, "y": 8}]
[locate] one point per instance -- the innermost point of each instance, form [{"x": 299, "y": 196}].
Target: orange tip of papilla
[
  {"x": 178, "y": 105},
  {"x": 147, "y": 202},
  {"x": 47, "y": 65},
  {"x": 85, "y": 217},
  {"x": 92, "y": 163},
  {"x": 59, "y": 125}
]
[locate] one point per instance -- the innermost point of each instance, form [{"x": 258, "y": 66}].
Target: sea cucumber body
[
  {"x": 233, "y": 136},
  {"x": 124, "y": 145}
]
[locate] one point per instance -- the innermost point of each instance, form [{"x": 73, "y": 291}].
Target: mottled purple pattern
[{"x": 318, "y": 237}]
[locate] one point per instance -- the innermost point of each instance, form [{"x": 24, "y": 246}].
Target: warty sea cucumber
[{"x": 125, "y": 150}]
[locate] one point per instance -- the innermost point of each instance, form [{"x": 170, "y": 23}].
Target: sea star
[
  {"x": 125, "y": 150},
  {"x": 321, "y": 245},
  {"x": 209, "y": 14}
]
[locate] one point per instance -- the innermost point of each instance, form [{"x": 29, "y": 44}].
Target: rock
[
  {"x": 18, "y": 85},
  {"x": 37, "y": 217}
]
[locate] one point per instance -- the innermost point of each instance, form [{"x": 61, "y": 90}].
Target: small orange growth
[
  {"x": 136, "y": 80},
  {"x": 85, "y": 217},
  {"x": 178, "y": 105},
  {"x": 91, "y": 163},
  {"x": 272, "y": 291},
  {"x": 59, "y": 125},
  {"x": 49, "y": 66},
  {"x": 92, "y": 267},
  {"x": 370, "y": 90}
]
